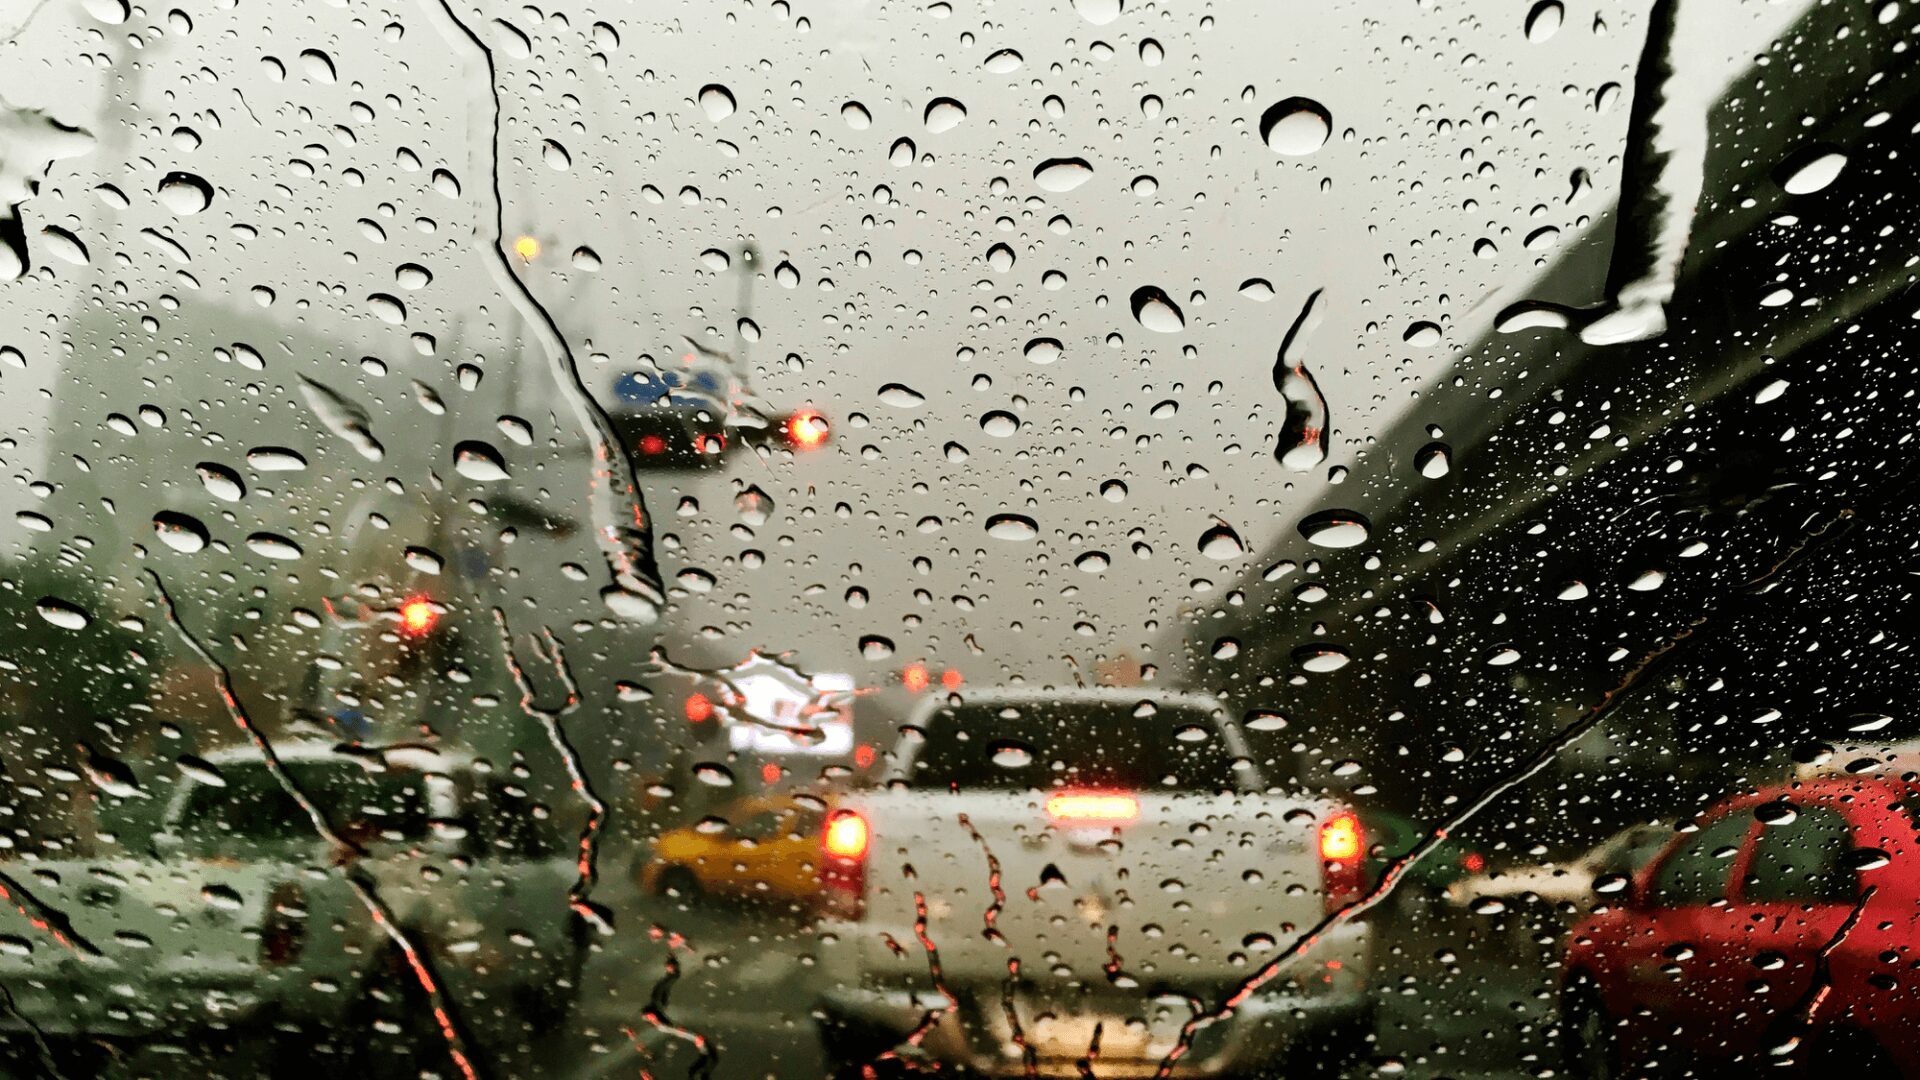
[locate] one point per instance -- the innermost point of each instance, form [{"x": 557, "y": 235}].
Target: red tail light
[
  {"x": 699, "y": 707},
  {"x": 1343, "y": 849},
  {"x": 843, "y": 873},
  {"x": 915, "y": 677},
  {"x": 418, "y": 616},
  {"x": 1092, "y": 807},
  {"x": 652, "y": 445},
  {"x": 806, "y": 429},
  {"x": 283, "y": 929}
]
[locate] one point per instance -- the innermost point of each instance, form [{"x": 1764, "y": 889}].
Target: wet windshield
[{"x": 741, "y": 539}]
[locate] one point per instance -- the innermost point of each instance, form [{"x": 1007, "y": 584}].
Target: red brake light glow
[
  {"x": 417, "y": 616},
  {"x": 846, "y": 836},
  {"x": 1092, "y": 806},
  {"x": 1474, "y": 862},
  {"x": 950, "y": 679},
  {"x": 652, "y": 444},
  {"x": 915, "y": 677},
  {"x": 699, "y": 708},
  {"x": 1340, "y": 838},
  {"x": 806, "y": 429}
]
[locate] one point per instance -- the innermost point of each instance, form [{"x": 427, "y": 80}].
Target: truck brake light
[{"x": 846, "y": 836}]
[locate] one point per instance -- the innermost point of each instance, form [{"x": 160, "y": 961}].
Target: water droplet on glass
[
  {"x": 1335, "y": 529},
  {"x": 412, "y": 276},
  {"x": 1259, "y": 290},
  {"x": 1532, "y": 315},
  {"x": 1648, "y": 581},
  {"x": 754, "y": 507},
  {"x": 999, "y": 423},
  {"x": 477, "y": 460},
  {"x": 64, "y": 246},
  {"x": 713, "y": 774},
  {"x": 875, "y": 647},
  {"x": 901, "y": 397},
  {"x": 1432, "y": 460},
  {"x": 1098, "y": 12},
  {"x": 273, "y": 546},
  {"x": 1003, "y": 62},
  {"x": 944, "y": 114},
  {"x": 1156, "y": 311},
  {"x": 856, "y": 116},
  {"x": 422, "y": 559},
  {"x": 555, "y": 156},
  {"x": 716, "y": 101},
  {"x": 1062, "y": 174},
  {"x": 184, "y": 194},
  {"x": 787, "y": 275},
  {"x": 902, "y": 152},
  {"x": 221, "y": 482},
  {"x": 1572, "y": 590},
  {"x": 1544, "y": 20},
  {"x": 955, "y": 452},
  {"x": 276, "y": 459},
  {"x": 1011, "y": 755},
  {"x": 1093, "y": 562},
  {"x": 1042, "y": 350},
  {"x": 1264, "y": 720},
  {"x": 1012, "y": 527},
  {"x": 62, "y": 614},
  {"x": 1221, "y": 542},
  {"x": 1296, "y": 126},
  {"x": 181, "y": 532},
  {"x": 1321, "y": 658},
  {"x": 1812, "y": 169},
  {"x": 1422, "y": 335},
  {"x": 1302, "y": 442}
]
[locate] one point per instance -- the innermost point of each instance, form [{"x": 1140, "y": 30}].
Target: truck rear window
[{"x": 1079, "y": 744}]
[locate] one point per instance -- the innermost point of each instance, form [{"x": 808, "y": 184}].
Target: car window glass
[
  {"x": 1697, "y": 871},
  {"x": 1803, "y": 861}
]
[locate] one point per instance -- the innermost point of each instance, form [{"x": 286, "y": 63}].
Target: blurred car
[
  {"x": 242, "y": 917},
  {"x": 765, "y": 848},
  {"x": 1782, "y": 929},
  {"x": 1083, "y": 858},
  {"x": 693, "y": 410},
  {"x": 1562, "y": 882}
]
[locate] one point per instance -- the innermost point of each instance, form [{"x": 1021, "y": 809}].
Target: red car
[{"x": 1783, "y": 929}]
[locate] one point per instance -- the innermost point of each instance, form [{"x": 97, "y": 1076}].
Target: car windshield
[{"x": 846, "y": 538}]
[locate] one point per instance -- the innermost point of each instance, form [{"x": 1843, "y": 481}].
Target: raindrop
[
  {"x": 1777, "y": 812},
  {"x": 1003, "y": 62},
  {"x": 1156, "y": 311},
  {"x": 1144, "y": 187},
  {"x": 1264, "y": 720},
  {"x": 273, "y": 546},
  {"x": 1221, "y": 542},
  {"x": 477, "y": 460},
  {"x": 344, "y": 418},
  {"x": 1151, "y": 54},
  {"x": 388, "y": 309},
  {"x": 875, "y": 647},
  {"x": 754, "y": 506},
  {"x": 856, "y": 116},
  {"x": 555, "y": 155},
  {"x": 27, "y": 519},
  {"x": 275, "y": 459},
  {"x": 1098, "y": 12},
  {"x": 1503, "y": 656},
  {"x": 1296, "y": 126},
  {"x": 902, "y": 152},
  {"x": 1811, "y": 170},
  {"x": 1532, "y": 315},
  {"x": 1542, "y": 239},
  {"x": 1648, "y": 581},
  {"x": 695, "y": 580},
  {"x": 1422, "y": 335},
  {"x": 1043, "y": 350},
  {"x": 64, "y": 246},
  {"x": 1321, "y": 658},
  {"x": 716, "y": 101},
  {"x": 62, "y": 614},
  {"x": 318, "y": 65},
  {"x": 1433, "y": 460},
  {"x": 221, "y": 482},
  {"x": 1011, "y": 755},
  {"x": 184, "y": 193},
  {"x": 181, "y": 532},
  {"x": 1336, "y": 529},
  {"x": 1062, "y": 174},
  {"x": 955, "y": 452},
  {"x": 1113, "y": 490},
  {"x": 412, "y": 276},
  {"x": 1544, "y": 20},
  {"x": 224, "y": 897},
  {"x": 713, "y": 774},
  {"x": 1012, "y": 527},
  {"x": 1866, "y": 858},
  {"x": 999, "y": 423},
  {"x": 1302, "y": 443},
  {"x": 944, "y": 114},
  {"x": 1093, "y": 562},
  {"x": 1000, "y": 257},
  {"x": 1259, "y": 290},
  {"x": 786, "y": 274},
  {"x": 901, "y": 397}
]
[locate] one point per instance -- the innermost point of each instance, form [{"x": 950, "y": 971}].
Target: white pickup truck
[
  {"x": 239, "y": 919},
  {"x": 1038, "y": 872}
]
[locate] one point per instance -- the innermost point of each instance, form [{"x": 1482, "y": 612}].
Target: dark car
[{"x": 1779, "y": 929}]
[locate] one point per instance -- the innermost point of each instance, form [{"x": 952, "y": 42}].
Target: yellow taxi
[{"x": 765, "y": 847}]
